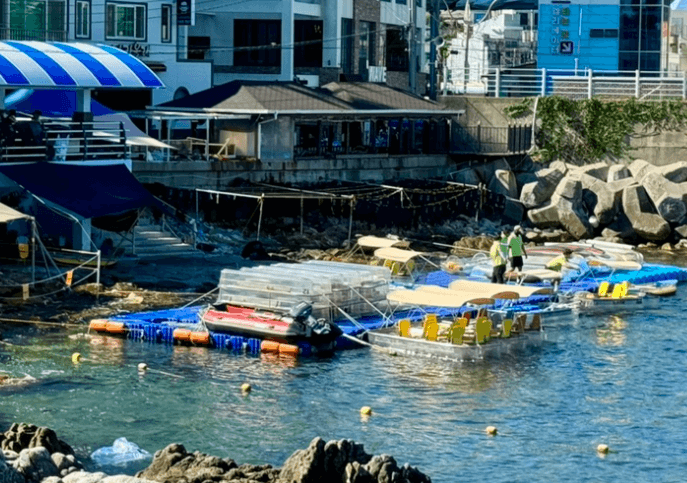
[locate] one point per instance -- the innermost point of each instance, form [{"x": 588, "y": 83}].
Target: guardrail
[
  {"x": 515, "y": 139},
  {"x": 584, "y": 84},
  {"x": 51, "y": 140}
]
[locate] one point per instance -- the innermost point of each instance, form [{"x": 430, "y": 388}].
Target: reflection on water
[
  {"x": 611, "y": 380},
  {"x": 613, "y": 333}
]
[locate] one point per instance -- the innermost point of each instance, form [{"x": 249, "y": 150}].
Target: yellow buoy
[
  {"x": 491, "y": 430},
  {"x": 245, "y": 387},
  {"x": 365, "y": 410},
  {"x": 76, "y": 357},
  {"x": 142, "y": 367},
  {"x": 603, "y": 449}
]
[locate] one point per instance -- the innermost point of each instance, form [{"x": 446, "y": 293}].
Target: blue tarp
[
  {"x": 51, "y": 103},
  {"x": 88, "y": 191}
]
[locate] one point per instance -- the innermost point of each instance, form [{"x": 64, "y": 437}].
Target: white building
[
  {"x": 507, "y": 39},
  {"x": 317, "y": 41}
]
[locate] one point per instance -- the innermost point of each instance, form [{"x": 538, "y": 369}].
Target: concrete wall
[{"x": 218, "y": 175}]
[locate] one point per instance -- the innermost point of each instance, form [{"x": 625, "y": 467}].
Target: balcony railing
[
  {"x": 30, "y": 141},
  {"x": 480, "y": 139},
  {"x": 41, "y": 35}
]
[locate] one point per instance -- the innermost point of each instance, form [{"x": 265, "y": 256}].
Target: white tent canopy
[
  {"x": 134, "y": 136},
  {"x": 8, "y": 214}
]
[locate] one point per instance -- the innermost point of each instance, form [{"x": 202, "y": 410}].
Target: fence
[
  {"x": 31, "y": 141},
  {"x": 490, "y": 140},
  {"x": 585, "y": 84}
]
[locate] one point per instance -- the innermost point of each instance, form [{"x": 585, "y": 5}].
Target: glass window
[
  {"x": 308, "y": 39},
  {"x": 251, "y": 41},
  {"x": 396, "y": 49},
  {"x": 37, "y": 16},
  {"x": 651, "y": 29},
  {"x": 347, "y": 45},
  {"x": 125, "y": 21},
  {"x": 82, "y": 27},
  {"x": 629, "y": 28},
  {"x": 166, "y": 23}
]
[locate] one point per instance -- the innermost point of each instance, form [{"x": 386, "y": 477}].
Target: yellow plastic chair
[
  {"x": 404, "y": 328},
  {"x": 519, "y": 324},
  {"x": 455, "y": 334},
  {"x": 620, "y": 290},
  {"x": 431, "y": 318},
  {"x": 604, "y": 289},
  {"x": 482, "y": 330},
  {"x": 506, "y": 326},
  {"x": 430, "y": 330},
  {"x": 461, "y": 322}
]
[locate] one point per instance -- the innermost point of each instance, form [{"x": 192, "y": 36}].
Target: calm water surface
[{"x": 618, "y": 380}]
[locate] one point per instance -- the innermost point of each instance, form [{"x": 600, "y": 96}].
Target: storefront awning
[
  {"x": 44, "y": 65},
  {"x": 88, "y": 191}
]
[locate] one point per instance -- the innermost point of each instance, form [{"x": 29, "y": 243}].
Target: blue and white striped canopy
[{"x": 44, "y": 65}]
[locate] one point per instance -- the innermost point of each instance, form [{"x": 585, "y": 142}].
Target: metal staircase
[{"x": 154, "y": 241}]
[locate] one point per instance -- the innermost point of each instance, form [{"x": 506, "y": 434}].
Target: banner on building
[{"x": 186, "y": 12}]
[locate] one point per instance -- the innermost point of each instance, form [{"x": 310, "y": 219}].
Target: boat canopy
[
  {"x": 497, "y": 290},
  {"x": 433, "y": 296},
  {"x": 617, "y": 264},
  {"x": 396, "y": 254},
  {"x": 378, "y": 242}
]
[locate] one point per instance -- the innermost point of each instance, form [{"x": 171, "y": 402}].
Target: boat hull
[{"x": 493, "y": 349}]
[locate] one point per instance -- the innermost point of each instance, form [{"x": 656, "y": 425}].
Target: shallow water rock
[{"x": 35, "y": 464}]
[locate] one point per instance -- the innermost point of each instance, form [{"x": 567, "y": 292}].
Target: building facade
[
  {"x": 316, "y": 41},
  {"x": 507, "y": 39},
  {"x": 615, "y": 35},
  {"x": 150, "y": 30}
]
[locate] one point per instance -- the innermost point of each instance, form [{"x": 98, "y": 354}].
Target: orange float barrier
[
  {"x": 201, "y": 338},
  {"x": 98, "y": 325},
  {"x": 270, "y": 346},
  {"x": 182, "y": 334},
  {"x": 115, "y": 327},
  {"x": 289, "y": 350}
]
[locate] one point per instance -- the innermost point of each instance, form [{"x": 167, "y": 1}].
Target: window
[
  {"x": 198, "y": 47},
  {"x": 39, "y": 16},
  {"x": 308, "y": 38},
  {"x": 347, "y": 45},
  {"x": 257, "y": 43},
  {"x": 82, "y": 27},
  {"x": 166, "y": 23},
  {"x": 396, "y": 50},
  {"x": 603, "y": 33},
  {"x": 125, "y": 21}
]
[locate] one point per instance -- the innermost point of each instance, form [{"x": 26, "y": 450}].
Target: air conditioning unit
[{"x": 376, "y": 73}]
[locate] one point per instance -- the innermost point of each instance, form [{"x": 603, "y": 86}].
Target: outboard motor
[{"x": 302, "y": 313}]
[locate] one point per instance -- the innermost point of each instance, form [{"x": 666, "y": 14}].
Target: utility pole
[
  {"x": 433, "y": 34},
  {"x": 412, "y": 65},
  {"x": 467, "y": 20}
]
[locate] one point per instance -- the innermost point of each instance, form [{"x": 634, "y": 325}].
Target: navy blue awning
[
  {"x": 88, "y": 191},
  {"x": 498, "y": 5}
]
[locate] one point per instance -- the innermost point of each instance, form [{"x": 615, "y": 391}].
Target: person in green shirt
[{"x": 517, "y": 249}]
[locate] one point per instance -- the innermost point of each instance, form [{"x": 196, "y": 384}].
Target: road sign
[{"x": 566, "y": 47}]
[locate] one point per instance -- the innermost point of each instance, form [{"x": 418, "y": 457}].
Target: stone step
[
  {"x": 171, "y": 249},
  {"x": 152, "y": 233},
  {"x": 170, "y": 240}
]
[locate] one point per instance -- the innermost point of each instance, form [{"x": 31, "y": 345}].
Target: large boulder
[
  {"x": 620, "y": 230},
  {"x": 597, "y": 170},
  {"x": 535, "y": 193},
  {"x": 35, "y": 464},
  {"x": 666, "y": 196},
  {"x": 8, "y": 474},
  {"x": 617, "y": 172},
  {"x": 503, "y": 182},
  {"x": 466, "y": 176},
  {"x": 570, "y": 188},
  {"x": 600, "y": 199},
  {"x": 639, "y": 168},
  {"x": 563, "y": 212},
  {"x": 675, "y": 172},
  {"x": 639, "y": 209},
  {"x": 523, "y": 178},
  {"x": 486, "y": 170}
]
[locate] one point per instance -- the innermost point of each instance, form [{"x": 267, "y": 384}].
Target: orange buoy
[
  {"x": 269, "y": 346},
  {"x": 115, "y": 327},
  {"x": 289, "y": 350},
  {"x": 181, "y": 334},
  {"x": 201, "y": 338},
  {"x": 99, "y": 325}
]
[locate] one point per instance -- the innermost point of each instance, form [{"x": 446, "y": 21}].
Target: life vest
[{"x": 557, "y": 263}]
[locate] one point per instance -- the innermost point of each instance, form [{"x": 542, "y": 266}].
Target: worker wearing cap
[
  {"x": 556, "y": 264},
  {"x": 517, "y": 248}
]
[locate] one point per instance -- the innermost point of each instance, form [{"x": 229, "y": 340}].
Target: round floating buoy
[
  {"x": 181, "y": 335},
  {"x": 76, "y": 357},
  {"x": 269, "y": 346},
  {"x": 289, "y": 350},
  {"x": 98, "y": 325},
  {"x": 115, "y": 327},
  {"x": 142, "y": 367},
  {"x": 245, "y": 387},
  {"x": 602, "y": 449},
  {"x": 200, "y": 338},
  {"x": 491, "y": 430},
  {"x": 365, "y": 411}
]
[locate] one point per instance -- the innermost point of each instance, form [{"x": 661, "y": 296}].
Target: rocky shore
[{"x": 33, "y": 454}]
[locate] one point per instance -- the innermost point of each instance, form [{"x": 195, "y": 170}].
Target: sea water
[{"x": 617, "y": 379}]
